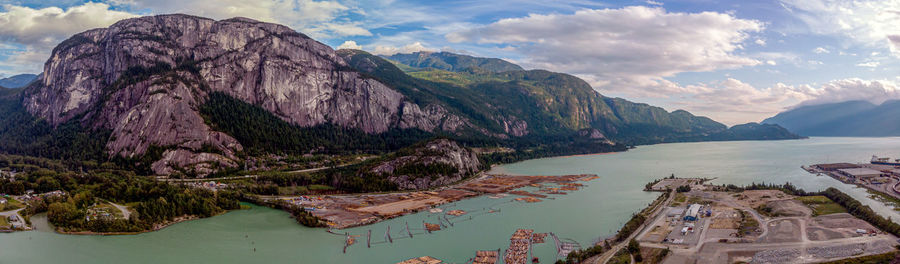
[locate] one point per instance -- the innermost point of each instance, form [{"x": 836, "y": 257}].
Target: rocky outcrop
[
  {"x": 436, "y": 163},
  {"x": 144, "y": 78}
]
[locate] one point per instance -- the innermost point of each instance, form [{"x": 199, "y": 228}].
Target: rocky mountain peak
[{"x": 144, "y": 78}]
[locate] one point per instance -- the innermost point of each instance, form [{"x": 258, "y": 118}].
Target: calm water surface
[{"x": 260, "y": 235}]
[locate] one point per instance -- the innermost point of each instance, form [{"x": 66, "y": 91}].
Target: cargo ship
[{"x": 885, "y": 161}]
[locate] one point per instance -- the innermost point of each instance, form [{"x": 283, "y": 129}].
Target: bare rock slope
[{"x": 144, "y": 79}]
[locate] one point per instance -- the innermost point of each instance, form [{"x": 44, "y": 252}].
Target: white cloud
[
  {"x": 771, "y": 62},
  {"x": 319, "y": 19},
  {"x": 650, "y": 2},
  {"x": 349, "y": 44},
  {"x": 869, "y": 64},
  {"x": 875, "y": 91},
  {"x": 391, "y": 50},
  {"x": 871, "y": 23},
  {"x": 760, "y": 42},
  {"x": 732, "y": 101},
  {"x": 39, "y": 30},
  {"x": 627, "y": 50},
  {"x": 47, "y": 26},
  {"x": 820, "y": 50}
]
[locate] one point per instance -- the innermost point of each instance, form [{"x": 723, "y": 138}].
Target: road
[
  {"x": 656, "y": 213},
  {"x": 251, "y": 176},
  {"x": 123, "y": 209},
  {"x": 14, "y": 212},
  {"x": 209, "y": 179}
]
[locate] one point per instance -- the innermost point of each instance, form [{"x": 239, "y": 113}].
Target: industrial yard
[
  {"x": 881, "y": 178},
  {"x": 709, "y": 224},
  {"x": 344, "y": 211}
]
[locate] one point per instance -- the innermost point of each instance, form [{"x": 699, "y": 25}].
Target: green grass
[
  {"x": 110, "y": 209},
  {"x": 821, "y": 205},
  {"x": 679, "y": 199},
  {"x": 818, "y": 199},
  {"x": 695, "y": 200},
  {"x": 888, "y": 200},
  {"x": 748, "y": 224},
  {"x": 12, "y": 204},
  {"x": 315, "y": 187},
  {"x": 621, "y": 257},
  {"x": 4, "y": 222}
]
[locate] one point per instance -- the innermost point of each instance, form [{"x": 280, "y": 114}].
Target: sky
[{"x": 733, "y": 61}]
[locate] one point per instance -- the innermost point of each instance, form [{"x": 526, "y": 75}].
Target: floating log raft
[
  {"x": 486, "y": 257},
  {"x": 456, "y": 212},
  {"x": 519, "y": 247},
  {"x": 432, "y": 227},
  {"x": 421, "y": 260}
]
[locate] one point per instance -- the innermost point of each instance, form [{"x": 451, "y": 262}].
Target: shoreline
[
  {"x": 348, "y": 211},
  {"x": 156, "y": 227}
]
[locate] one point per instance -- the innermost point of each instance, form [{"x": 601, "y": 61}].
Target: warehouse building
[
  {"x": 693, "y": 212},
  {"x": 836, "y": 166},
  {"x": 861, "y": 173}
]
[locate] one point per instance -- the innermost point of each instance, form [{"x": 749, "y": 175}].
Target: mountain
[
  {"x": 452, "y": 62},
  {"x": 538, "y": 102},
  {"x": 17, "y": 81},
  {"x": 149, "y": 75},
  {"x": 851, "y": 118},
  {"x": 178, "y": 94}
]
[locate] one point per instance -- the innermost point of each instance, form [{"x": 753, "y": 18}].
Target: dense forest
[
  {"x": 23, "y": 134},
  {"x": 260, "y": 132}
]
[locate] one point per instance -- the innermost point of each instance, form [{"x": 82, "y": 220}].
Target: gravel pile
[
  {"x": 837, "y": 251},
  {"x": 776, "y": 256},
  {"x": 879, "y": 247}
]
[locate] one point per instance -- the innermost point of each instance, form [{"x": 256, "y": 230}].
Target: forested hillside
[{"x": 452, "y": 62}]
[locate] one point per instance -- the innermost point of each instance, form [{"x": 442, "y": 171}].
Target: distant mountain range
[
  {"x": 190, "y": 95},
  {"x": 452, "y": 62},
  {"x": 851, "y": 118},
  {"x": 17, "y": 81}
]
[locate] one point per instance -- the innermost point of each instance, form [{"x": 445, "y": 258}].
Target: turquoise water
[{"x": 262, "y": 235}]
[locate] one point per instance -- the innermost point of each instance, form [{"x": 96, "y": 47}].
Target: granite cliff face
[
  {"x": 144, "y": 78},
  {"x": 438, "y": 162}
]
